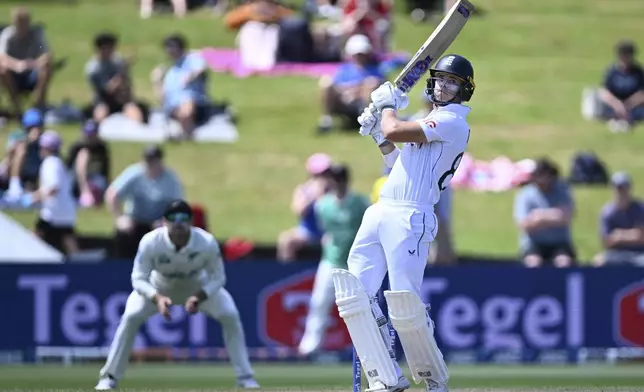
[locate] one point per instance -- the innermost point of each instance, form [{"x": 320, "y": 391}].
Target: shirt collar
[
  {"x": 458, "y": 109},
  {"x": 168, "y": 243}
]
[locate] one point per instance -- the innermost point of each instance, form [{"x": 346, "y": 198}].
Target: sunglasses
[{"x": 179, "y": 217}]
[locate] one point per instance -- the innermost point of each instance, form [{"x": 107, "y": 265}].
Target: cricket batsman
[
  {"x": 178, "y": 264},
  {"x": 396, "y": 231}
]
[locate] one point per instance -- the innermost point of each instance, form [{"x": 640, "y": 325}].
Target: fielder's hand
[
  {"x": 163, "y": 305},
  {"x": 370, "y": 124},
  {"x": 388, "y": 96},
  {"x": 192, "y": 304}
]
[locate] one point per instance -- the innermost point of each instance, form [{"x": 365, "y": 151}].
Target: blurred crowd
[{"x": 35, "y": 174}]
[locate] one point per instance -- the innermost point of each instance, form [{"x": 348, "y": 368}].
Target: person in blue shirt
[
  {"x": 622, "y": 94},
  {"x": 26, "y": 160},
  {"x": 138, "y": 197},
  {"x": 543, "y": 211},
  {"x": 184, "y": 85},
  {"x": 348, "y": 92}
]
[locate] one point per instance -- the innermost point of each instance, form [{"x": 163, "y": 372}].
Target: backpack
[{"x": 587, "y": 168}]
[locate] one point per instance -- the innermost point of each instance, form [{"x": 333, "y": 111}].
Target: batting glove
[
  {"x": 370, "y": 124},
  {"x": 388, "y": 96}
]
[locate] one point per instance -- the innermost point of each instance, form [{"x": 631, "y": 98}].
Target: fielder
[
  {"x": 177, "y": 264},
  {"x": 396, "y": 231}
]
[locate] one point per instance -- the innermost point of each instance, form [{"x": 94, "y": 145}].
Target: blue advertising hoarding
[{"x": 476, "y": 309}]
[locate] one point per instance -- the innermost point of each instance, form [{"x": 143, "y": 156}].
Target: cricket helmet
[{"x": 458, "y": 66}]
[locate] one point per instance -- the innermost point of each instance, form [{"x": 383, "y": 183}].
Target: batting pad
[
  {"x": 416, "y": 333},
  {"x": 355, "y": 309}
]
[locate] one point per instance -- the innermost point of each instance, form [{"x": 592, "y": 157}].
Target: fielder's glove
[
  {"x": 388, "y": 96},
  {"x": 370, "y": 124}
]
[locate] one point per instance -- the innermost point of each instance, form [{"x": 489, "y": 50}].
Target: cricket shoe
[
  {"x": 403, "y": 384},
  {"x": 247, "y": 383},
  {"x": 433, "y": 386},
  {"x": 105, "y": 384}
]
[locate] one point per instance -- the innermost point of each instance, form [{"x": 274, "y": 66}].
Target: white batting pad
[
  {"x": 355, "y": 310},
  {"x": 416, "y": 333}
]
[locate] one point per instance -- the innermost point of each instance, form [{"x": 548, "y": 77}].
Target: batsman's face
[{"x": 446, "y": 87}]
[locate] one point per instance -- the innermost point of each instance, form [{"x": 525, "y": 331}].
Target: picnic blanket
[
  {"x": 227, "y": 60},
  {"x": 498, "y": 175}
]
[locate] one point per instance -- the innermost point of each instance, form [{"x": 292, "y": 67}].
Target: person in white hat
[
  {"x": 57, "y": 215},
  {"x": 347, "y": 93}
]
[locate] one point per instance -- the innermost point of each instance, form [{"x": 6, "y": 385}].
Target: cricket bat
[{"x": 435, "y": 46}]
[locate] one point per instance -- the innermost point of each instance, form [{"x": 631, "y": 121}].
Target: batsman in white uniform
[
  {"x": 397, "y": 230},
  {"x": 178, "y": 264}
]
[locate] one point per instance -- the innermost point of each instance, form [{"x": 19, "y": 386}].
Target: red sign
[
  {"x": 284, "y": 307},
  {"x": 630, "y": 315}
]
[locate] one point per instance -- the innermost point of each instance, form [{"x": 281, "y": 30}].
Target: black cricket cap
[{"x": 178, "y": 207}]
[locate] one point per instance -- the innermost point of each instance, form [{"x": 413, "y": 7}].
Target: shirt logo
[
  {"x": 193, "y": 256},
  {"x": 163, "y": 259},
  {"x": 431, "y": 123}
]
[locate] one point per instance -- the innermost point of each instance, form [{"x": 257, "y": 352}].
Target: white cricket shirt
[
  {"x": 158, "y": 260},
  {"x": 59, "y": 209},
  {"x": 423, "y": 170}
]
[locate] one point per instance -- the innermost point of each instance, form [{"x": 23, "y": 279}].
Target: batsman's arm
[
  {"x": 143, "y": 266},
  {"x": 215, "y": 274},
  {"x": 399, "y": 131}
]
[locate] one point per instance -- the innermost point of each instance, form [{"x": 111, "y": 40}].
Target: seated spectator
[
  {"x": 183, "y": 86},
  {"x": 13, "y": 139},
  {"x": 543, "y": 211},
  {"x": 622, "y": 94},
  {"x": 622, "y": 226},
  {"x": 89, "y": 161},
  {"x": 109, "y": 76},
  {"x": 138, "y": 197},
  {"x": 57, "y": 216},
  {"x": 25, "y": 61},
  {"x": 26, "y": 159},
  {"x": 180, "y": 7},
  {"x": 349, "y": 91},
  {"x": 371, "y": 18},
  {"x": 302, "y": 205},
  {"x": 265, "y": 11}
]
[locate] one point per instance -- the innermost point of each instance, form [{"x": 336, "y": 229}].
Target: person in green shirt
[{"x": 339, "y": 214}]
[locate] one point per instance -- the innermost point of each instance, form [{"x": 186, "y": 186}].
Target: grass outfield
[
  {"x": 322, "y": 377},
  {"x": 532, "y": 60}
]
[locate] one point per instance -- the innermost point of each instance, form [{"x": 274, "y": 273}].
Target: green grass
[
  {"x": 323, "y": 377},
  {"x": 532, "y": 60}
]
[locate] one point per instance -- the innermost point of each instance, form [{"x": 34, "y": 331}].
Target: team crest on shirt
[
  {"x": 431, "y": 123},
  {"x": 163, "y": 259}
]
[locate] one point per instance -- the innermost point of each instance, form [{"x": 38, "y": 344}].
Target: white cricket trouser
[
  {"x": 322, "y": 301},
  {"x": 138, "y": 309},
  {"x": 394, "y": 237}
]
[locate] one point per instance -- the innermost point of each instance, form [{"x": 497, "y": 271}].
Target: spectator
[
  {"x": 180, "y": 7},
  {"x": 622, "y": 226},
  {"x": 13, "y": 140},
  {"x": 340, "y": 213},
  {"x": 26, "y": 159},
  {"x": 89, "y": 161},
  {"x": 543, "y": 211},
  {"x": 57, "y": 216},
  {"x": 370, "y": 18},
  {"x": 622, "y": 94},
  {"x": 265, "y": 11},
  {"x": 109, "y": 76},
  {"x": 348, "y": 93},
  {"x": 138, "y": 197},
  {"x": 304, "y": 198},
  {"x": 25, "y": 61},
  {"x": 183, "y": 86}
]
